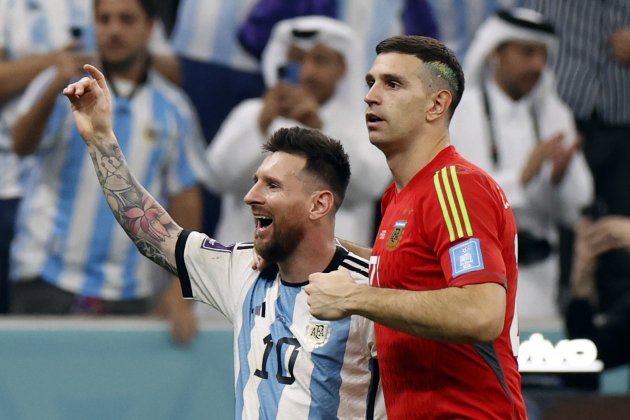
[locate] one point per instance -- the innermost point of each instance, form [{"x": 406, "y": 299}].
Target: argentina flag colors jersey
[
  {"x": 66, "y": 233},
  {"x": 288, "y": 364},
  {"x": 205, "y": 31}
]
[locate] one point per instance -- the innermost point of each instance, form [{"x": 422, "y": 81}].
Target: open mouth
[
  {"x": 262, "y": 222},
  {"x": 372, "y": 119}
]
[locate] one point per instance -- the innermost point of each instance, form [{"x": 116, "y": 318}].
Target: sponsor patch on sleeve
[
  {"x": 213, "y": 245},
  {"x": 466, "y": 257}
]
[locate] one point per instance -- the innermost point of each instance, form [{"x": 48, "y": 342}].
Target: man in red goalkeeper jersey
[{"x": 443, "y": 267}]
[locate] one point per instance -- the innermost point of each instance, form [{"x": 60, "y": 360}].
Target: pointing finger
[{"x": 96, "y": 75}]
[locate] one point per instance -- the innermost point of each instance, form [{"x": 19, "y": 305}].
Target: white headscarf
[
  {"x": 330, "y": 32},
  {"x": 515, "y": 25}
]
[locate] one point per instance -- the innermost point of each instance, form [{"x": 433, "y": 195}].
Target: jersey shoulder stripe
[
  {"x": 452, "y": 204},
  {"x": 355, "y": 264},
  {"x": 358, "y": 260}
]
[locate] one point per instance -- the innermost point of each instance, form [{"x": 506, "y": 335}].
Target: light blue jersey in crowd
[
  {"x": 66, "y": 233},
  {"x": 206, "y": 31},
  {"x": 288, "y": 364},
  {"x": 32, "y": 27}
]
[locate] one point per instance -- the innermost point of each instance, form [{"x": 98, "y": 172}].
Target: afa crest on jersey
[
  {"x": 396, "y": 235},
  {"x": 151, "y": 132},
  {"x": 318, "y": 332}
]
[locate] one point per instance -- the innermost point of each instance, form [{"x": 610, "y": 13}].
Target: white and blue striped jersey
[
  {"x": 207, "y": 31},
  {"x": 287, "y": 364},
  {"x": 31, "y": 27},
  {"x": 65, "y": 231},
  {"x": 458, "y": 20},
  {"x": 39, "y": 27}
]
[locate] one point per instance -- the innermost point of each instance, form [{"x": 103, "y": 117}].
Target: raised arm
[{"x": 148, "y": 225}]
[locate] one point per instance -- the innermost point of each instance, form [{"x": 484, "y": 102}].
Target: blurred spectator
[
  {"x": 605, "y": 321},
  {"x": 217, "y": 73},
  {"x": 512, "y": 123},
  {"x": 457, "y": 21},
  {"x": 593, "y": 70},
  {"x": 69, "y": 255},
  {"x": 314, "y": 78},
  {"x": 371, "y": 20},
  {"x": 34, "y": 35}
]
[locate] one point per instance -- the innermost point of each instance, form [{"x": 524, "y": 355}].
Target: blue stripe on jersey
[
  {"x": 326, "y": 376},
  {"x": 159, "y": 107},
  {"x": 341, "y": 11},
  {"x": 463, "y": 26},
  {"x": 67, "y": 195},
  {"x": 186, "y": 175},
  {"x": 183, "y": 33},
  {"x": 255, "y": 296},
  {"x": 225, "y": 42},
  {"x": 39, "y": 31},
  {"x": 88, "y": 37},
  {"x": 24, "y": 211},
  {"x": 382, "y": 11},
  {"x": 81, "y": 18},
  {"x": 104, "y": 222},
  {"x": 284, "y": 348}
]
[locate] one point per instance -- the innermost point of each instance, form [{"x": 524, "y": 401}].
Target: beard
[
  {"x": 124, "y": 64},
  {"x": 282, "y": 244}
]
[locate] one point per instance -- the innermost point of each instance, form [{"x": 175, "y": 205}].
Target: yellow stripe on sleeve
[
  {"x": 447, "y": 218},
  {"x": 462, "y": 203},
  {"x": 451, "y": 202}
]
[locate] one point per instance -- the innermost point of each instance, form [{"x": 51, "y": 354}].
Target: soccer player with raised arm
[{"x": 288, "y": 364}]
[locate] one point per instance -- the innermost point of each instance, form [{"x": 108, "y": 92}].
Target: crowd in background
[{"x": 546, "y": 111}]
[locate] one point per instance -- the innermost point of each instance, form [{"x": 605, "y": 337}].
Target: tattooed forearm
[
  {"x": 148, "y": 225},
  {"x": 154, "y": 254}
]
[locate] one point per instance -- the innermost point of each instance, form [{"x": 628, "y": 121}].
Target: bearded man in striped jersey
[{"x": 288, "y": 364}]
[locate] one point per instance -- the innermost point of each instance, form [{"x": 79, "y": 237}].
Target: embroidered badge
[
  {"x": 151, "y": 132},
  {"x": 466, "y": 257},
  {"x": 318, "y": 332},
  {"x": 213, "y": 245},
  {"x": 396, "y": 235}
]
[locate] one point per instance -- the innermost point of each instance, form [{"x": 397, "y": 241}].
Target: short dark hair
[
  {"x": 325, "y": 158},
  {"x": 148, "y": 6},
  {"x": 441, "y": 61}
]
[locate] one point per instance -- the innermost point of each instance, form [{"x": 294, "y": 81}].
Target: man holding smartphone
[
  {"x": 313, "y": 71},
  {"x": 77, "y": 264}
]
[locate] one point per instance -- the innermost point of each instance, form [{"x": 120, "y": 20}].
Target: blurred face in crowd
[
  {"x": 122, "y": 32},
  {"x": 518, "y": 66},
  {"x": 321, "y": 67},
  {"x": 280, "y": 200}
]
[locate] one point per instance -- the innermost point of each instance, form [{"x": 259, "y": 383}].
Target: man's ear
[
  {"x": 322, "y": 204},
  {"x": 442, "y": 100}
]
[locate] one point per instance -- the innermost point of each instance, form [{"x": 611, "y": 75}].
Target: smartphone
[
  {"x": 290, "y": 73},
  {"x": 595, "y": 210},
  {"x": 76, "y": 33}
]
